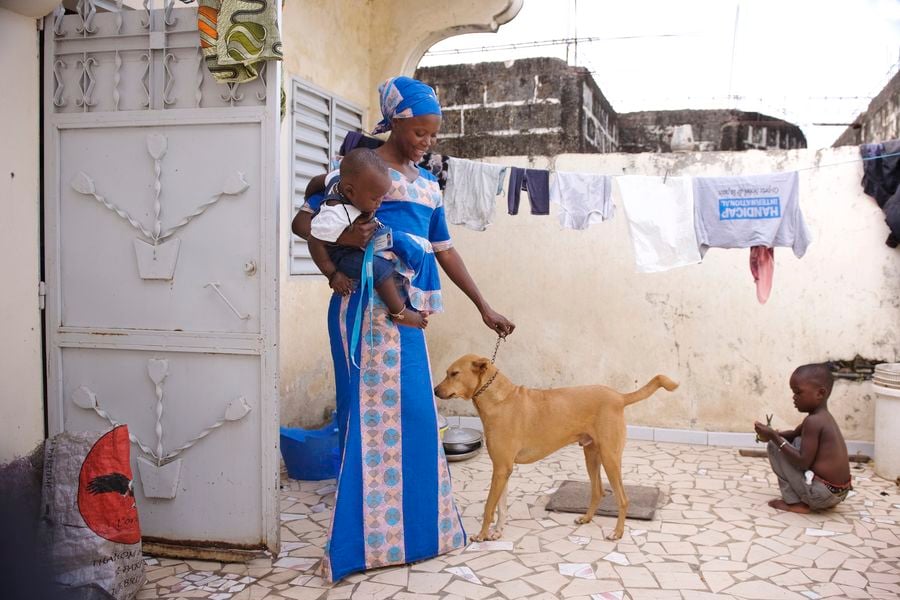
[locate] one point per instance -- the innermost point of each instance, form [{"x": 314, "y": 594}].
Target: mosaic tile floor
[{"x": 712, "y": 537}]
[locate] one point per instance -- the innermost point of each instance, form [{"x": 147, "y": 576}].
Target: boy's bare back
[{"x": 820, "y": 431}]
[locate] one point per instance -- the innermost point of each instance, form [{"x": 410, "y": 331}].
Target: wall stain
[{"x": 755, "y": 383}]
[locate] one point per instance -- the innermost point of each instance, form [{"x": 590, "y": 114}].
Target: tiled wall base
[{"x": 688, "y": 436}]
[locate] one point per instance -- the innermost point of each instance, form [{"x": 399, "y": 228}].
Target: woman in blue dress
[{"x": 394, "y": 501}]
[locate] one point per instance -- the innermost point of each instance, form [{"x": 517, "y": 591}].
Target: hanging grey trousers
[{"x": 792, "y": 482}]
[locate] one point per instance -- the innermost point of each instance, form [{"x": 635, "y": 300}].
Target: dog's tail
[{"x": 646, "y": 391}]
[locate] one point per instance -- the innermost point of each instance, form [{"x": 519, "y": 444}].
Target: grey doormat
[{"x": 574, "y": 496}]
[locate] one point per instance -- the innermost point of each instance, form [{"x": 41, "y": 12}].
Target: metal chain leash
[
  {"x": 478, "y": 392},
  {"x": 500, "y": 338}
]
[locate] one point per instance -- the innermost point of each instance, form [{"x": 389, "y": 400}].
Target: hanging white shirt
[
  {"x": 660, "y": 214},
  {"x": 584, "y": 198},
  {"x": 471, "y": 192},
  {"x": 750, "y": 210}
]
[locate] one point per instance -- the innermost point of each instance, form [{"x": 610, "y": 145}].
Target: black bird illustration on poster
[{"x": 113, "y": 482}]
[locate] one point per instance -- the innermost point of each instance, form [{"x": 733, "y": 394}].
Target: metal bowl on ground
[
  {"x": 461, "y": 443},
  {"x": 463, "y": 456}
]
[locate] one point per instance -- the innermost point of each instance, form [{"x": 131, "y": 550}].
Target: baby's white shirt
[{"x": 331, "y": 221}]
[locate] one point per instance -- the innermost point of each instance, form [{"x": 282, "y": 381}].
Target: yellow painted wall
[
  {"x": 584, "y": 315},
  {"x": 21, "y": 383},
  {"x": 326, "y": 44}
]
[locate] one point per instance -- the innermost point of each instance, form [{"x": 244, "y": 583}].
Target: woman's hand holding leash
[{"x": 497, "y": 322}]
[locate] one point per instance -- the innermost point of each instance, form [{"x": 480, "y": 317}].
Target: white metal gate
[{"x": 161, "y": 205}]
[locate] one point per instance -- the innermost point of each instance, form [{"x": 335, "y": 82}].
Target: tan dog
[{"x": 523, "y": 425}]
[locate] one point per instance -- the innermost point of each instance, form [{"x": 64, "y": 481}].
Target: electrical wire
[{"x": 553, "y": 42}]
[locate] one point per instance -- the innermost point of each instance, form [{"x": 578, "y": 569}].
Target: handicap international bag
[{"x": 89, "y": 521}]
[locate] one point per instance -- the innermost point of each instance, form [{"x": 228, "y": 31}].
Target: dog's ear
[{"x": 480, "y": 365}]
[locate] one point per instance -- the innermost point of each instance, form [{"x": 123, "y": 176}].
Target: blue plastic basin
[{"x": 311, "y": 454}]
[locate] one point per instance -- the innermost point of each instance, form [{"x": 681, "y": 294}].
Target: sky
[{"x": 809, "y": 62}]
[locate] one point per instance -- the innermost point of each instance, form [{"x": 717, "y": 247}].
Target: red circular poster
[{"x": 106, "y": 489}]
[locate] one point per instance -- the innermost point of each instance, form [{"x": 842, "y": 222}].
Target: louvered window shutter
[{"x": 319, "y": 123}]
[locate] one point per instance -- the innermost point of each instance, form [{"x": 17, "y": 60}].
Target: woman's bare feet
[{"x": 799, "y": 507}]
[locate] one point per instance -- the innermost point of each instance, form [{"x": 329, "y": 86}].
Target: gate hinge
[{"x": 42, "y": 295}]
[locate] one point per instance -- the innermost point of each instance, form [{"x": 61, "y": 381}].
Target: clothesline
[
  {"x": 552, "y": 168},
  {"x": 673, "y": 222},
  {"x": 585, "y": 197},
  {"x": 834, "y": 164},
  {"x": 470, "y": 188},
  {"x": 844, "y": 162}
]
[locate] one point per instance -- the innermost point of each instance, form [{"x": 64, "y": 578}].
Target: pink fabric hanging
[{"x": 762, "y": 266}]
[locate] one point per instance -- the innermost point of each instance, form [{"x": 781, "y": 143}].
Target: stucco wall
[
  {"x": 327, "y": 44},
  {"x": 21, "y": 391},
  {"x": 348, "y": 47},
  {"x": 584, "y": 315}
]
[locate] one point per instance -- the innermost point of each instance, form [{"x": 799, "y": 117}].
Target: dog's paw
[
  {"x": 495, "y": 534},
  {"x": 478, "y": 537},
  {"x": 615, "y": 535},
  {"x": 582, "y": 520}
]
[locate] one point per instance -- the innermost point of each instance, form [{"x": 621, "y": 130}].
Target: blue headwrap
[{"x": 404, "y": 97}]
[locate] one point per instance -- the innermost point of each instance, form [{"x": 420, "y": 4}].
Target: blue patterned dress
[{"x": 394, "y": 501}]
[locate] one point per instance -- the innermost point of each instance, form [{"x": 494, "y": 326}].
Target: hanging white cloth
[
  {"x": 584, "y": 198},
  {"x": 471, "y": 192},
  {"x": 750, "y": 210},
  {"x": 660, "y": 214}
]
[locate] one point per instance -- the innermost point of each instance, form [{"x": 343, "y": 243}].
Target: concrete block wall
[
  {"x": 881, "y": 120},
  {"x": 651, "y": 130},
  {"x": 530, "y": 106}
]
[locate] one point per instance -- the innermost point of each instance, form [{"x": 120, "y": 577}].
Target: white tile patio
[{"x": 712, "y": 537}]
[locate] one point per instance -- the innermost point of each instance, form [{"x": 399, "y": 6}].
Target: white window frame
[{"x": 320, "y": 121}]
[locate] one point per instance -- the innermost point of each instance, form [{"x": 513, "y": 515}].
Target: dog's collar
[
  {"x": 478, "y": 392},
  {"x": 485, "y": 386}
]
